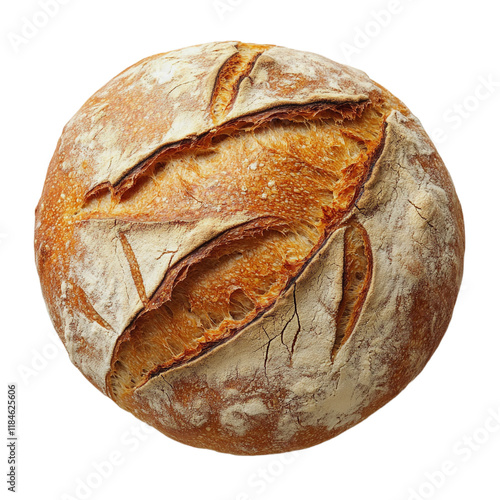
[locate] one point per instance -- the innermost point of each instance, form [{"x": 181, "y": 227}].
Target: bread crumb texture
[{"x": 250, "y": 248}]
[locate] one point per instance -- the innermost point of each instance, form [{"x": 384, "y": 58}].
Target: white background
[{"x": 434, "y": 55}]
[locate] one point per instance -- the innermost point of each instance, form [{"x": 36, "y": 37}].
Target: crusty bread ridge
[{"x": 249, "y": 247}]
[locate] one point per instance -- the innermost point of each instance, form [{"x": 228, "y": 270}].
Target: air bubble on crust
[{"x": 240, "y": 305}]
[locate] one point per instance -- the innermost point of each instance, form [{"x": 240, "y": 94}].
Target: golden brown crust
[
  {"x": 251, "y": 248},
  {"x": 305, "y": 211}
]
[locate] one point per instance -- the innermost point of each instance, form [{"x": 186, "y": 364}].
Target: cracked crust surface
[{"x": 249, "y": 247}]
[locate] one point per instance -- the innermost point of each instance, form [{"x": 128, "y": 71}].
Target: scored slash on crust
[
  {"x": 231, "y": 74},
  {"x": 338, "y": 111}
]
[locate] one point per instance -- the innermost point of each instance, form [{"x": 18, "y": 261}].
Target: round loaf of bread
[{"x": 250, "y": 248}]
